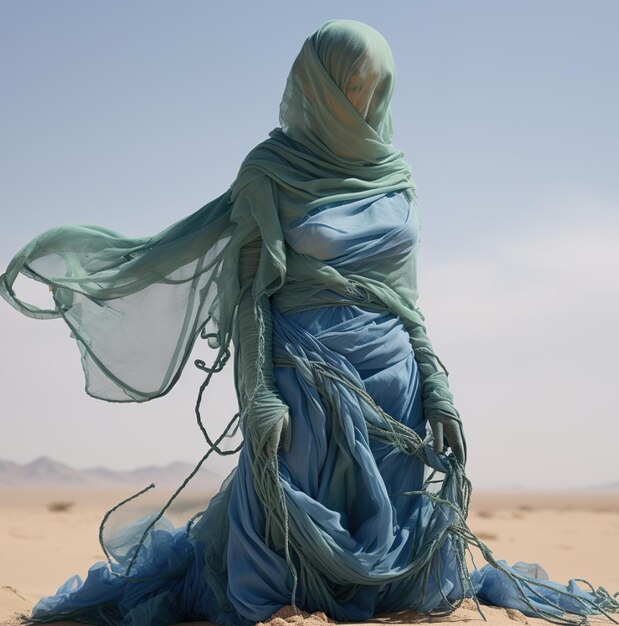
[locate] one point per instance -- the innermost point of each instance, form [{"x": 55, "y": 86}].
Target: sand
[{"x": 47, "y": 536}]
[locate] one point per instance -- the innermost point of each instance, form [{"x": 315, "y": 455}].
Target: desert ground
[{"x": 46, "y": 536}]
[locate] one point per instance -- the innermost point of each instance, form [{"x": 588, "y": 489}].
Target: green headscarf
[{"x": 315, "y": 109}]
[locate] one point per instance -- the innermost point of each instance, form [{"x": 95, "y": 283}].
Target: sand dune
[{"x": 47, "y": 536}]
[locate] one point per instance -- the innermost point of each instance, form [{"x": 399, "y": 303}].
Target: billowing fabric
[{"x": 308, "y": 264}]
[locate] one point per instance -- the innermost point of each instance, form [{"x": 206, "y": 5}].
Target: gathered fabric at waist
[
  {"x": 297, "y": 297},
  {"x": 367, "y": 335}
]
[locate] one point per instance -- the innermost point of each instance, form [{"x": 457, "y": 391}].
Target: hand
[
  {"x": 280, "y": 435},
  {"x": 449, "y": 429}
]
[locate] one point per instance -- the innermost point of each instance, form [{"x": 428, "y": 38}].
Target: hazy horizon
[{"x": 610, "y": 486}]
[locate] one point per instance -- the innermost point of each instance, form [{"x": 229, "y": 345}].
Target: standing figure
[{"x": 350, "y": 494}]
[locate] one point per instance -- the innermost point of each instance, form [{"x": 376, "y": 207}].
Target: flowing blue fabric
[{"x": 350, "y": 497}]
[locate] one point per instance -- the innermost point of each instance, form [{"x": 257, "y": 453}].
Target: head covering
[
  {"x": 342, "y": 56},
  {"x": 327, "y": 150}
]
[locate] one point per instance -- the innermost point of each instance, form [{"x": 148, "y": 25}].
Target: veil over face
[
  {"x": 337, "y": 96},
  {"x": 359, "y": 60}
]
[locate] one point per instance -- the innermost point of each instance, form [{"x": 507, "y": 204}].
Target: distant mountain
[{"x": 45, "y": 473}]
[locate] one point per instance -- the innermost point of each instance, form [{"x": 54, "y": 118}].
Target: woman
[{"x": 307, "y": 264}]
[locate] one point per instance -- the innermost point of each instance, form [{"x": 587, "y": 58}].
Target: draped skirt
[{"x": 352, "y": 508}]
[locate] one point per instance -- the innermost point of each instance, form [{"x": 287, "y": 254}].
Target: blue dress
[{"x": 348, "y": 495}]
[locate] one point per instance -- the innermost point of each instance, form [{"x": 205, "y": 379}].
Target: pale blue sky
[{"x": 133, "y": 114}]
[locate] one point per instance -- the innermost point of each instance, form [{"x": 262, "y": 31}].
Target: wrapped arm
[
  {"x": 439, "y": 409},
  {"x": 265, "y": 413}
]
